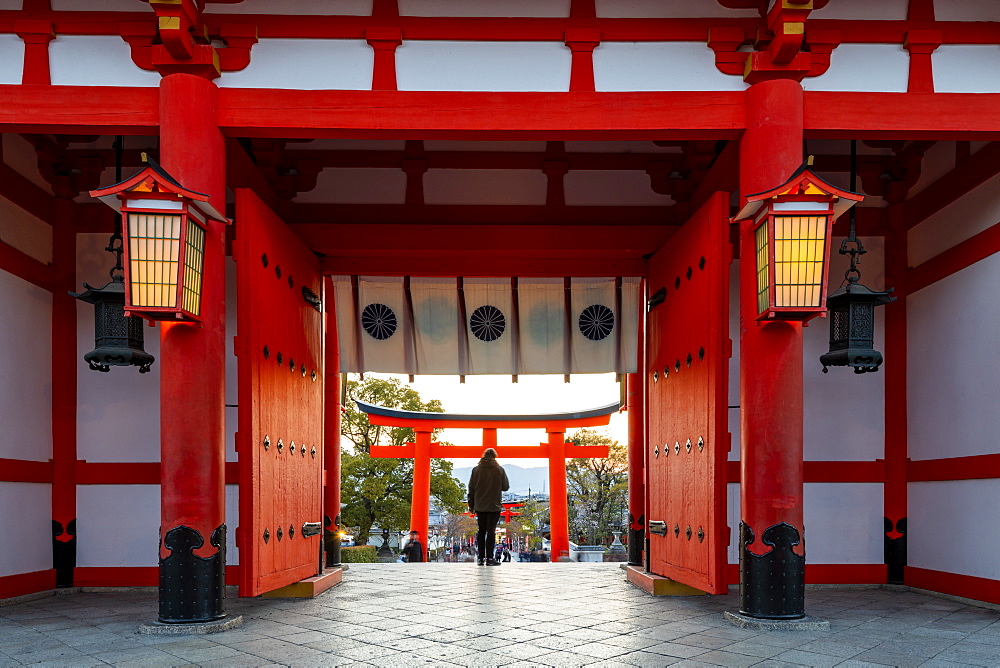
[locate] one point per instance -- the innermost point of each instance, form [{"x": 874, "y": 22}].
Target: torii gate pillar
[
  {"x": 558, "y": 504},
  {"x": 420, "y": 504}
]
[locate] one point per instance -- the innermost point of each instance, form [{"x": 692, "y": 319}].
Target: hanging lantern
[
  {"x": 164, "y": 243},
  {"x": 118, "y": 339},
  {"x": 852, "y": 326},
  {"x": 792, "y": 227}
]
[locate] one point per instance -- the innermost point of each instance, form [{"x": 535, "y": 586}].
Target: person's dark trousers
[{"x": 487, "y": 537}]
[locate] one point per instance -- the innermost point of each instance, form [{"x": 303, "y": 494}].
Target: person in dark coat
[
  {"x": 414, "y": 549},
  {"x": 486, "y": 486}
]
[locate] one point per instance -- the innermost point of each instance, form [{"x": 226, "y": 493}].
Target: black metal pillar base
[
  {"x": 64, "y": 553},
  {"x": 636, "y": 539},
  {"x": 894, "y": 550},
  {"x": 192, "y": 588},
  {"x": 772, "y": 585}
]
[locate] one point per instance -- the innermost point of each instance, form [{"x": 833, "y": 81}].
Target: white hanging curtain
[{"x": 449, "y": 326}]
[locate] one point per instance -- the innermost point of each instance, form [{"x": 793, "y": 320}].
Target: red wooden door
[
  {"x": 687, "y": 376},
  {"x": 280, "y": 438}
]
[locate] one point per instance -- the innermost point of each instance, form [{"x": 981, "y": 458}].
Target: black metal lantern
[
  {"x": 852, "y": 326},
  {"x": 118, "y": 338},
  {"x": 852, "y": 309}
]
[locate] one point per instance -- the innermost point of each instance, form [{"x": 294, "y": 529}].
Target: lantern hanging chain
[
  {"x": 853, "y": 274},
  {"x": 115, "y": 245}
]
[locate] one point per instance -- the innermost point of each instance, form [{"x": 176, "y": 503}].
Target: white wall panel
[
  {"x": 293, "y": 7},
  {"x": 18, "y": 228},
  {"x": 484, "y": 186},
  {"x": 851, "y": 69},
  {"x": 854, "y": 10},
  {"x": 10, "y": 4},
  {"x": 937, "y": 161},
  {"x": 358, "y": 186},
  {"x": 636, "y": 66},
  {"x": 967, "y": 68},
  {"x": 733, "y": 519},
  {"x": 483, "y": 66},
  {"x": 118, "y": 413},
  {"x": 96, "y": 60},
  {"x": 966, "y": 10},
  {"x": 977, "y": 210},
  {"x": 951, "y": 527},
  {"x": 11, "y": 58},
  {"x": 667, "y": 9},
  {"x": 117, "y": 525},
  {"x": 232, "y": 521},
  {"x": 306, "y": 64},
  {"x": 952, "y": 381},
  {"x": 829, "y": 397},
  {"x": 586, "y": 187},
  {"x": 25, "y": 371},
  {"x": 26, "y": 521},
  {"x": 843, "y": 523},
  {"x": 549, "y": 8}
]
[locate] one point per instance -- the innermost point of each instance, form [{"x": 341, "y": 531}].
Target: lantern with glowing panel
[
  {"x": 792, "y": 228},
  {"x": 164, "y": 243}
]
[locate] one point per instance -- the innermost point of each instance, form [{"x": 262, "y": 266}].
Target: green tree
[
  {"x": 597, "y": 488},
  {"x": 379, "y": 491}
]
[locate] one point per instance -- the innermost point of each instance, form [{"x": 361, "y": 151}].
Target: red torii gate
[{"x": 556, "y": 449}]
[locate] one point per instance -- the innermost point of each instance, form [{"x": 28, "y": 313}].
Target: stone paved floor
[{"x": 513, "y": 615}]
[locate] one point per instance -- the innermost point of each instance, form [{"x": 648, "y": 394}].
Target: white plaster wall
[
  {"x": 118, "y": 412},
  {"x": 358, "y": 186},
  {"x": 484, "y": 186},
  {"x": 306, "y": 64},
  {"x": 854, "y": 10},
  {"x": 11, "y": 58},
  {"x": 943, "y": 514},
  {"x": 585, "y": 187},
  {"x": 293, "y": 7},
  {"x": 952, "y": 382},
  {"x": 851, "y": 69},
  {"x": 10, "y": 4},
  {"x": 232, "y": 522},
  {"x": 20, "y": 155},
  {"x": 966, "y": 10},
  {"x": 976, "y": 211},
  {"x": 843, "y": 523},
  {"x": 26, "y": 521},
  {"x": 543, "y": 8},
  {"x": 117, "y": 525},
  {"x": 667, "y": 9},
  {"x": 937, "y": 161},
  {"x": 96, "y": 60},
  {"x": 967, "y": 68},
  {"x": 18, "y": 228},
  {"x": 733, "y": 519},
  {"x": 26, "y": 377},
  {"x": 650, "y": 66},
  {"x": 482, "y": 66},
  {"x": 828, "y": 397}
]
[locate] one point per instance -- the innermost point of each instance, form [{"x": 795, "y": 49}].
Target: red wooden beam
[
  {"x": 955, "y": 259},
  {"x": 25, "y": 267},
  {"x": 79, "y": 109},
  {"x": 975, "y": 467},
  {"x": 459, "y": 214},
  {"x": 828, "y": 471},
  {"x": 25, "y": 194},
  {"x": 907, "y": 116},
  {"x": 968, "y": 174},
  {"x": 22, "y": 470},
  {"x": 550, "y": 426}
]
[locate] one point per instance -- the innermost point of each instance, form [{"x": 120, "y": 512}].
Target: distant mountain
[{"x": 521, "y": 479}]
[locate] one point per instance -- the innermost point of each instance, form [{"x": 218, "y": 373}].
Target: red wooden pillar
[
  {"x": 331, "y": 432},
  {"x": 65, "y": 364},
  {"x": 895, "y": 489},
  {"x": 192, "y": 376},
  {"x": 36, "y": 35},
  {"x": 558, "y": 505},
  {"x": 772, "y": 579},
  {"x": 420, "y": 505},
  {"x": 636, "y": 399}
]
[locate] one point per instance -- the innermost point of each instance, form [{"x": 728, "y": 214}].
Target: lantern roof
[
  {"x": 150, "y": 181},
  {"x": 804, "y": 182}
]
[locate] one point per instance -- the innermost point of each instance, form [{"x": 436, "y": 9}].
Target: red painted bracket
[{"x": 205, "y": 59}]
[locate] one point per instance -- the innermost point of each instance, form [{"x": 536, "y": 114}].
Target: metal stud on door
[
  {"x": 688, "y": 338},
  {"x": 279, "y": 336}
]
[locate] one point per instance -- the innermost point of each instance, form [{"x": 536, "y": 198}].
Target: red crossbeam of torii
[{"x": 555, "y": 449}]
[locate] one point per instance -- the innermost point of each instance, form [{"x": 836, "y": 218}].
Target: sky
[{"x": 531, "y": 394}]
